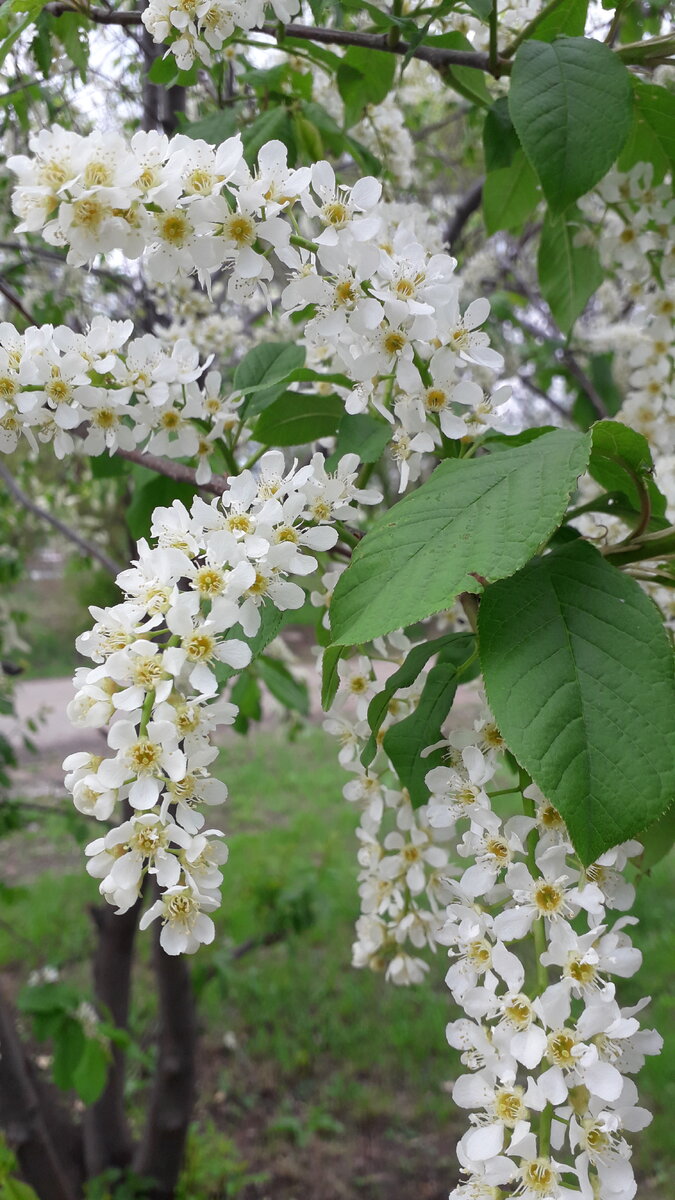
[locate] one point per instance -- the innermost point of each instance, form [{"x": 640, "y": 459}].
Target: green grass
[{"x": 317, "y": 1045}]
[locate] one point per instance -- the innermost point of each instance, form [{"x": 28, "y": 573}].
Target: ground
[{"x": 316, "y": 1080}]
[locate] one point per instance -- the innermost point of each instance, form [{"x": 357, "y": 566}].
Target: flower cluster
[
  {"x": 635, "y": 216},
  {"x": 163, "y": 654},
  {"x": 548, "y": 1050},
  {"x": 196, "y": 28},
  {"x": 386, "y": 309},
  {"x": 549, "y": 1058},
  {"x": 403, "y": 860},
  {"x": 116, "y": 393}
]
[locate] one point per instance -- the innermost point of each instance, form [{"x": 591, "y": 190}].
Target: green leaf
[
  {"x": 567, "y": 17},
  {"x": 68, "y": 1048},
  {"x": 330, "y": 131},
  {"x": 13, "y": 37},
  {"x": 510, "y": 195},
  {"x": 298, "y": 417},
  {"x": 578, "y": 672},
  {"x": 452, "y": 647},
  {"x": 330, "y": 680},
  {"x": 571, "y": 105},
  {"x": 246, "y": 695},
  {"x": 271, "y": 621},
  {"x": 290, "y": 692},
  {"x": 214, "y": 129},
  {"x": 475, "y": 519},
  {"x": 568, "y": 274},
  {"x": 262, "y": 373},
  {"x": 364, "y": 77},
  {"x": 652, "y": 134},
  {"x": 273, "y": 124},
  {"x": 480, "y": 8},
  {"x": 465, "y": 80},
  {"x": 405, "y": 741},
  {"x": 500, "y": 140},
  {"x": 656, "y": 106},
  {"x": 91, "y": 1072},
  {"x": 361, "y": 434},
  {"x": 158, "y": 491},
  {"x": 163, "y": 70},
  {"x": 621, "y": 461}
]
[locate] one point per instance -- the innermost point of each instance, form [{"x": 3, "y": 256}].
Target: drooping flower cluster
[
  {"x": 635, "y": 216},
  {"x": 548, "y": 1050},
  {"x": 550, "y": 1057},
  {"x": 114, "y": 393},
  {"x": 162, "y": 656},
  {"x": 403, "y": 859},
  {"x": 387, "y": 312},
  {"x": 196, "y": 28}
]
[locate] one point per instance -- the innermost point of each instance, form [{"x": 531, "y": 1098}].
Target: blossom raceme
[
  {"x": 547, "y": 1050},
  {"x": 387, "y": 311},
  {"x": 161, "y": 660}
]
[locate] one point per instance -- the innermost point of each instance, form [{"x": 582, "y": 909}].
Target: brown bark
[
  {"x": 37, "y": 1130},
  {"x": 107, "y": 1138},
  {"x": 161, "y": 1151}
]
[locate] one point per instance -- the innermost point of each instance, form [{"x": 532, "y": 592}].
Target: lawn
[{"x": 311, "y": 1071}]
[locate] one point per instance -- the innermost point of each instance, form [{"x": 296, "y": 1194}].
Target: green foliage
[
  {"x": 330, "y": 679},
  {"x": 569, "y": 274},
  {"x": 364, "y": 77},
  {"x": 362, "y": 434},
  {"x": 10, "y": 1187},
  {"x": 298, "y": 417},
  {"x": 405, "y": 742},
  {"x": 279, "y": 681},
  {"x": 80, "y": 1061},
  {"x": 579, "y": 675},
  {"x": 571, "y": 104},
  {"x": 159, "y": 490},
  {"x": 510, "y": 194},
  {"x": 263, "y": 372},
  {"x": 475, "y": 520},
  {"x": 568, "y": 17},
  {"x": 500, "y": 140},
  {"x": 621, "y": 461},
  {"x": 652, "y": 134},
  {"x": 456, "y": 648}
]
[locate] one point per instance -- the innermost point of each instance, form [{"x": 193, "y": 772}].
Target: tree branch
[
  {"x": 28, "y": 1127},
  {"x": 160, "y": 1154},
  {"x": 467, "y": 205},
  {"x": 14, "y": 300},
  {"x": 87, "y": 547},
  {"x": 437, "y": 57},
  {"x": 107, "y": 1138},
  {"x": 174, "y": 470}
]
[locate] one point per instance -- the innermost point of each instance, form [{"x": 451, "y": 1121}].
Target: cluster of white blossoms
[
  {"x": 548, "y": 1049},
  {"x": 635, "y": 218},
  {"x": 549, "y": 1056},
  {"x": 162, "y": 657},
  {"x": 386, "y": 309},
  {"x": 403, "y": 860},
  {"x": 195, "y": 28},
  {"x": 100, "y": 391}
]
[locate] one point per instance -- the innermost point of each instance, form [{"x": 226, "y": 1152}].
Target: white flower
[{"x": 185, "y": 925}]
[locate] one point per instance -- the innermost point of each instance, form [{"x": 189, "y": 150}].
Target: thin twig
[
  {"x": 16, "y": 303},
  {"x": 467, "y": 205},
  {"x": 174, "y": 470},
  {"x": 77, "y": 540},
  {"x": 436, "y": 56}
]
